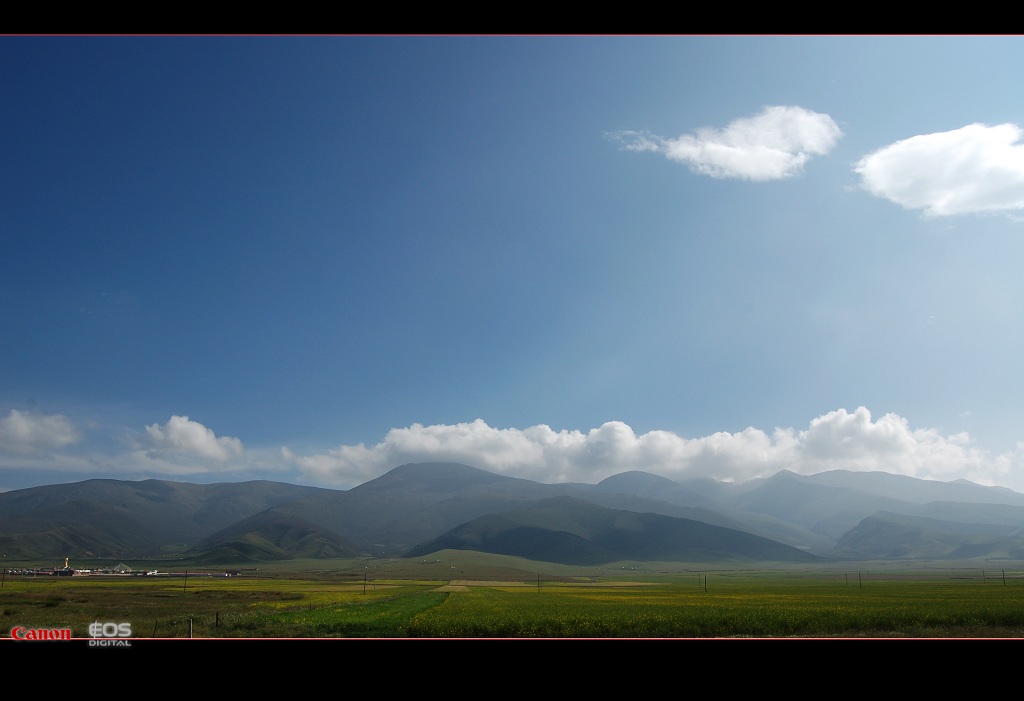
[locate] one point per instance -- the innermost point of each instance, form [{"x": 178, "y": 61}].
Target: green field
[{"x": 468, "y": 595}]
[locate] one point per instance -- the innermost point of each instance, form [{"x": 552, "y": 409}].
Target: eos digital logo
[{"x": 110, "y": 634}]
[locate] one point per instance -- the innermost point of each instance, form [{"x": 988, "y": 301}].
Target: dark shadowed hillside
[
  {"x": 272, "y": 535},
  {"x": 118, "y": 519},
  {"x": 887, "y": 536},
  {"x": 576, "y": 532}
]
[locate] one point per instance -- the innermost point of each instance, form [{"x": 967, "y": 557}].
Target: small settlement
[{"x": 118, "y": 570}]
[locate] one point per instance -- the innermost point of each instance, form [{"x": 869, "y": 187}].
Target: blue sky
[{"x": 313, "y": 259}]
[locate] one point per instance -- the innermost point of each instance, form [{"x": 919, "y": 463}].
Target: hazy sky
[{"x": 313, "y": 259}]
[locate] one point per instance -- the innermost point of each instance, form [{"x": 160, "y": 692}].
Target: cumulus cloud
[
  {"x": 182, "y": 436},
  {"x": 771, "y": 145},
  {"x": 27, "y": 433},
  {"x": 836, "y": 440},
  {"x": 840, "y": 439},
  {"x": 974, "y": 169}
]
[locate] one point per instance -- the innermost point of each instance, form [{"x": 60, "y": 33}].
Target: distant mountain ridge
[{"x": 417, "y": 507}]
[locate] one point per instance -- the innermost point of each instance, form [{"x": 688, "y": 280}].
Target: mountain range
[{"x": 420, "y": 508}]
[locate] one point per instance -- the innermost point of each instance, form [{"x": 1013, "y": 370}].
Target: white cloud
[
  {"x": 836, "y": 440},
  {"x": 180, "y": 435},
  {"x": 637, "y": 140},
  {"x": 771, "y": 145},
  {"x": 27, "y": 433},
  {"x": 840, "y": 436},
  {"x": 974, "y": 169},
  {"x": 178, "y": 449},
  {"x": 840, "y": 439}
]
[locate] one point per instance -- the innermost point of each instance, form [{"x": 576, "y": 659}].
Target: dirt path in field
[{"x": 465, "y": 584}]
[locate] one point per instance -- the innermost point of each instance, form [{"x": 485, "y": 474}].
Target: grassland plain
[{"x": 459, "y": 595}]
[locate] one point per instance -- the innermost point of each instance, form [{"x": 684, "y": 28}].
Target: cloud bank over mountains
[
  {"x": 836, "y": 440},
  {"x": 976, "y": 169},
  {"x": 185, "y": 449}
]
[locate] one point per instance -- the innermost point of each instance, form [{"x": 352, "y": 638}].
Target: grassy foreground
[{"x": 489, "y": 597}]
